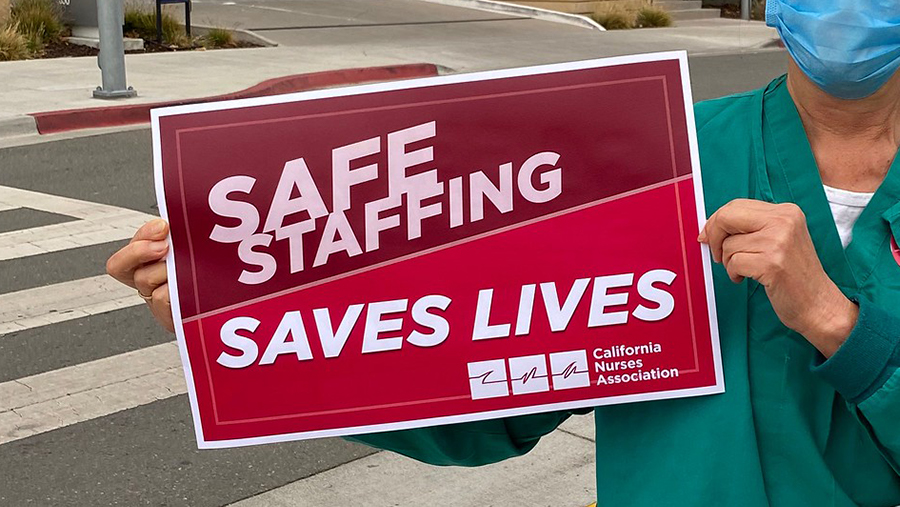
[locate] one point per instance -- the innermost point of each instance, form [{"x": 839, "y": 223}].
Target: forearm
[
  {"x": 865, "y": 370},
  {"x": 867, "y": 358},
  {"x": 468, "y": 444}
]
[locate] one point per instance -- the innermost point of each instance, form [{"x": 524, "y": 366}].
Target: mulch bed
[
  {"x": 63, "y": 49},
  {"x": 734, "y": 12}
]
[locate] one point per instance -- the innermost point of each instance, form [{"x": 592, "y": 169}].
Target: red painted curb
[{"x": 111, "y": 116}]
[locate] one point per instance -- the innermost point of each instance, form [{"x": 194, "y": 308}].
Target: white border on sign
[
  {"x": 700, "y": 201},
  {"x": 680, "y": 56}
]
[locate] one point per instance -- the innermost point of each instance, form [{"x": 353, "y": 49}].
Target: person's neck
[{"x": 854, "y": 141}]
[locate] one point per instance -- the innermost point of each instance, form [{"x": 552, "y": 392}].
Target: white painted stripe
[
  {"x": 57, "y": 237},
  {"x": 59, "y": 398},
  {"x": 51, "y": 304},
  {"x": 86, "y": 210},
  {"x": 558, "y": 472},
  {"x": 97, "y": 224},
  {"x": 7, "y": 207}
]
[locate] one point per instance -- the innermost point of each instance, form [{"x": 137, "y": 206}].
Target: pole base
[{"x": 100, "y": 93}]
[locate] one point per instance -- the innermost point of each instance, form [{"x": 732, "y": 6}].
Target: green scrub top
[{"x": 791, "y": 429}]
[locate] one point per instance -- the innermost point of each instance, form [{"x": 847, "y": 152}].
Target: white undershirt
[{"x": 846, "y": 206}]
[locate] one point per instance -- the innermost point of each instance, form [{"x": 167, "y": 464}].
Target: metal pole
[
  {"x": 158, "y": 22},
  {"x": 745, "y": 10},
  {"x": 110, "y": 18}
]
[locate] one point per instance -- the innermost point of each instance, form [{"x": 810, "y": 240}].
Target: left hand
[
  {"x": 141, "y": 265},
  {"x": 770, "y": 243}
]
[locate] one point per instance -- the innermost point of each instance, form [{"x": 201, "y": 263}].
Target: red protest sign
[{"x": 439, "y": 250}]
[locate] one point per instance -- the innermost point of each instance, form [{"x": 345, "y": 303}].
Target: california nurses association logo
[{"x": 895, "y": 249}]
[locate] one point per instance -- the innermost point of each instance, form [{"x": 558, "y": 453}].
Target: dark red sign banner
[{"x": 438, "y": 250}]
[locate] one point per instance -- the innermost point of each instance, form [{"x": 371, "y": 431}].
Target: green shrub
[
  {"x": 13, "y": 45},
  {"x": 652, "y": 17},
  {"x": 614, "y": 20},
  {"x": 34, "y": 42},
  {"x": 141, "y": 22},
  {"x": 218, "y": 38},
  {"x": 39, "y": 21}
]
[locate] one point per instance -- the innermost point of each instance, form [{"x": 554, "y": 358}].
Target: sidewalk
[
  {"x": 456, "y": 40},
  {"x": 562, "y": 463}
]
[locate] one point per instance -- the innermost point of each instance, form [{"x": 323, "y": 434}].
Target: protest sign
[{"x": 438, "y": 250}]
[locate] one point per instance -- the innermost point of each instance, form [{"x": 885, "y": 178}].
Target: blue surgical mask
[{"x": 849, "y": 48}]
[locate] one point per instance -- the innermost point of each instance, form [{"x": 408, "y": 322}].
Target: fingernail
[
  {"x": 158, "y": 246},
  {"x": 158, "y": 226}
]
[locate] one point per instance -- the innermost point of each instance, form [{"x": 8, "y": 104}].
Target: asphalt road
[{"x": 147, "y": 455}]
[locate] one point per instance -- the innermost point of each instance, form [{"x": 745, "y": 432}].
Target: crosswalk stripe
[
  {"x": 56, "y": 237},
  {"x": 86, "y": 210},
  {"x": 66, "y": 396},
  {"x": 95, "y": 224},
  {"x": 51, "y": 400},
  {"x": 60, "y": 302}
]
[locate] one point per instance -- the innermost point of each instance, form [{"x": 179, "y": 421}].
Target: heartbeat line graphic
[
  {"x": 572, "y": 369},
  {"x": 525, "y": 375},
  {"x": 484, "y": 378},
  {"x": 530, "y": 374}
]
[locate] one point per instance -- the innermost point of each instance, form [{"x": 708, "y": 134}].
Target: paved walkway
[
  {"x": 326, "y": 34},
  {"x": 563, "y": 462}
]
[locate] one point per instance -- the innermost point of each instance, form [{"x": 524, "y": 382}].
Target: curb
[
  {"x": 112, "y": 116},
  {"x": 239, "y": 34},
  {"x": 12, "y": 126},
  {"x": 775, "y": 43},
  {"x": 523, "y": 10}
]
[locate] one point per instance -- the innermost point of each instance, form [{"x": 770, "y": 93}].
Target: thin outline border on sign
[
  {"x": 680, "y": 56},
  {"x": 674, "y": 181}
]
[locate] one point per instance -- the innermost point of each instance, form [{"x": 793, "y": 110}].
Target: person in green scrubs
[{"x": 803, "y": 191}]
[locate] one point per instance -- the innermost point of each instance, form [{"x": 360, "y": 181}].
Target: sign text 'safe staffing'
[{"x": 337, "y": 235}]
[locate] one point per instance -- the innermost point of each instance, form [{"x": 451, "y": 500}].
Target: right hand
[{"x": 141, "y": 265}]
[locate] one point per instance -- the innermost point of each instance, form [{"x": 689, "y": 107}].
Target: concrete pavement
[
  {"x": 562, "y": 462},
  {"x": 321, "y": 35}
]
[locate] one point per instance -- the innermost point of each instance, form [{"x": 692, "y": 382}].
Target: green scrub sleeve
[
  {"x": 469, "y": 444},
  {"x": 869, "y": 357},
  {"x": 866, "y": 371}
]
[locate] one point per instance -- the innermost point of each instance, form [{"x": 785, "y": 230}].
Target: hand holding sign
[
  {"x": 770, "y": 243},
  {"x": 140, "y": 265}
]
